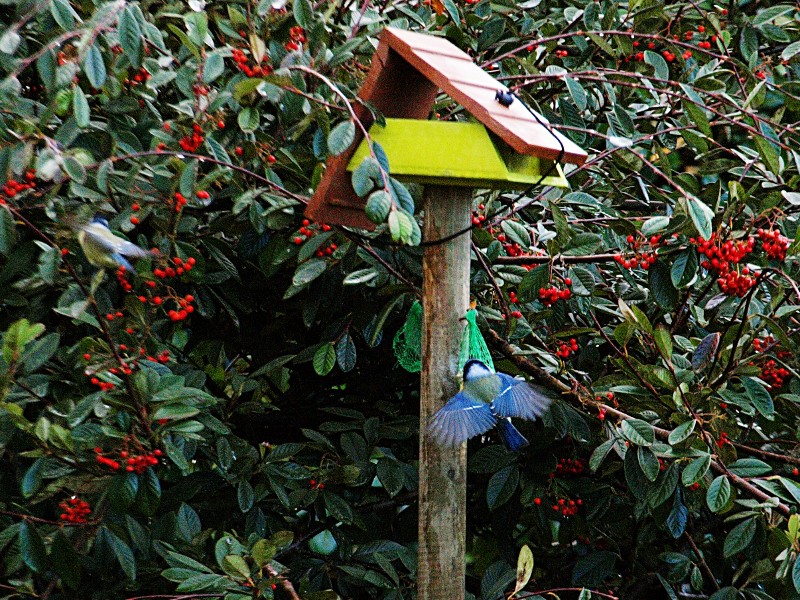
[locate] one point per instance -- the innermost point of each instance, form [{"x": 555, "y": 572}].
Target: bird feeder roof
[{"x": 407, "y": 72}]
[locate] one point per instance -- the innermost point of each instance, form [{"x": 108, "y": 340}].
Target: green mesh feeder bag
[
  {"x": 407, "y": 344},
  {"x": 473, "y": 345}
]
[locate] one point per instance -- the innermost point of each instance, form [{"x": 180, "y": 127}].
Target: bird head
[
  {"x": 100, "y": 219},
  {"x": 475, "y": 369}
]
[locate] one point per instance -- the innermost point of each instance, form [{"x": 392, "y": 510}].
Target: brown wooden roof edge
[{"x": 452, "y": 70}]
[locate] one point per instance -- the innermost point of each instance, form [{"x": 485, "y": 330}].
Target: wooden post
[{"x": 442, "y": 471}]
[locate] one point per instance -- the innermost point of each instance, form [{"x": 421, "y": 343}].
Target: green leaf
[
  {"x": 517, "y": 233},
  {"x": 638, "y": 432},
  {"x": 130, "y": 37},
  {"x": 175, "y": 412},
  {"x": 323, "y": 543},
  {"x": 213, "y": 67},
  {"x": 187, "y": 523},
  {"x": 32, "y": 480},
  {"x": 379, "y": 205},
  {"x": 7, "y": 231},
  {"x": 94, "y": 67},
  {"x": 660, "y": 281},
  {"x": 701, "y": 217},
  {"x": 341, "y": 137},
  {"x": 502, "y": 486},
  {"x": 719, "y": 494},
  {"x": 749, "y": 467},
  {"x": 663, "y": 339},
  {"x": 524, "y": 566},
  {"x": 676, "y": 520},
  {"x": 696, "y": 470},
  {"x": 577, "y": 92},
  {"x": 123, "y": 490},
  {"x": 648, "y": 462},
  {"x": 706, "y": 351},
  {"x": 684, "y": 268},
  {"x": 324, "y": 359},
  {"x": 740, "y": 537},
  {"x": 796, "y": 574},
  {"x": 346, "y": 353},
  {"x": 245, "y": 496},
  {"x": 303, "y": 13},
  {"x": 309, "y": 271},
  {"x": 759, "y": 396},
  {"x": 80, "y": 106},
  {"x": 658, "y": 63},
  {"x": 248, "y": 119},
  {"x": 681, "y": 432},
  {"x": 599, "y": 454},
  {"x": 31, "y": 548},
  {"x": 123, "y": 553}
]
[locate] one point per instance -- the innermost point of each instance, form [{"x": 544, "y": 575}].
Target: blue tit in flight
[
  {"x": 105, "y": 250},
  {"x": 488, "y": 400}
]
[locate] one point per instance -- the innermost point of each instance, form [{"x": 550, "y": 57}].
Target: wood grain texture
[{"x": 442, "y": 471}]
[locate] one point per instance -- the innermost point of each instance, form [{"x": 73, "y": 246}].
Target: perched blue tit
[
  {"x": 105, "y": 250},
  {"x": 488, "y": 400}
]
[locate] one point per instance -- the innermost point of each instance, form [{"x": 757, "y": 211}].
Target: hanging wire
[{"x": 506, "y": 99}]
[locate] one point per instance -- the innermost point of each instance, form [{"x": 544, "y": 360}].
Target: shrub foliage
[{"x": 230, "y": 421}]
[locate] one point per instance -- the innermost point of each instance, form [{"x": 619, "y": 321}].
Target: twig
[
  {"x": 701, "y": 560},
  {"x": 284, "y": 582}
]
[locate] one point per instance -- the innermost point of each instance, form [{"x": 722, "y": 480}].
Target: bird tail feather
[{"x": 510, "y": 435}]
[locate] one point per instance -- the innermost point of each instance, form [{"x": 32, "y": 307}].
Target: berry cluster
[
  {"x": 190, "y": 143},
  {"x": 565, "y": 349},
  {"x": 569, "y": 466},
  {"x": 182, "y": 309},
  {"x": 721, "y": 255},
  {"x": 134, "y": 463},
  {"x": 723, "y": 439},
  {"x": 122, "y": 278},
  {"x": 243, "y": 64},
  {"x": 308, "y": 230},
  {"x": 12, "y": 187},
  {"x": 551, "y": 294},
  {"x": 774, "y": 243},
  {"x": 695, "y": 486},
  {"x": 774, "y": 375},
  {"x": 645, "y": 252},
  {"x": 561, "y": 53},
  {"x": 297, "y": 36},
  {"x": 478, "y": 217},
  {"x": 181, "y": 267},
  {"x": 103, "y": 385},
  {"x": 75, "y": 510},
  {"x": 179, "y": 200},
  {"x": 316, "y": 485},
  {"x": 567, "y": 507},
  {"x": 511, "y": 248},
  {"x": 142, "y": 76},
  {"x": 761, "y": 344},
  {"x": 737, "y": 284}
]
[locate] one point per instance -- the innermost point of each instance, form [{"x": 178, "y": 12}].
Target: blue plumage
[
  {"x": 106, "y": 250},
  {"x": 488, "y": 400}
]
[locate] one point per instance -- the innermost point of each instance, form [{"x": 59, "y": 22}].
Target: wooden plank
[
  {"x": 442, "y": 471},
  {"x": 475, "y": 91}
]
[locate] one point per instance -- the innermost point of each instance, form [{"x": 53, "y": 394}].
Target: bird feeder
[{"x": 506, "y": 146}]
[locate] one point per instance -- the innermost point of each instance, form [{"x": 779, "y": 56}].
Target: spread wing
[
  {"x": 460, "y": 419},
  {"x": 518, "y": 398},
  {"x": 101, "y": 237}
]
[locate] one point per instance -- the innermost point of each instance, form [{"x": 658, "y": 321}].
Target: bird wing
[
  {"x": 518, "y": 398},
  {"x": 460, "y": 419},
  {"x": 104, "y": 238}
]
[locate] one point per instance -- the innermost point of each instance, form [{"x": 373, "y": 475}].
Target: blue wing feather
[
  {"x": 518, "y": 398},
  {"x": 460, "y": 419}
]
